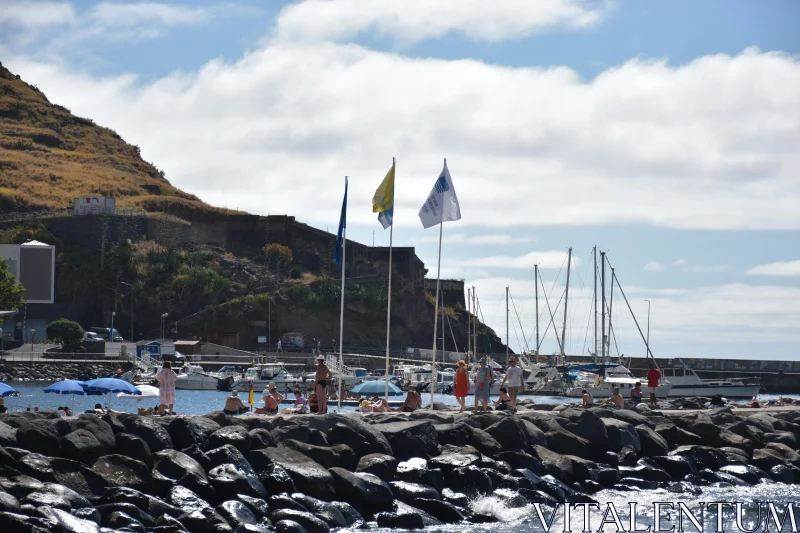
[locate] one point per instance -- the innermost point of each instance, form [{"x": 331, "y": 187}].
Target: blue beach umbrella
[
  {"x": 5, "y": 390},
  {"x": 109, "y": 385},
  {"x": 70, "y": 386},
  {"x": 375, "y": 388}
]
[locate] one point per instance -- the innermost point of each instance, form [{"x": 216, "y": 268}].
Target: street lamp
[
  {"x": 33, "y": 338},
  {"x": 163, "y": 321},
  {"x": 132, "y": 339},
  {"x": 111, "y": 333},
  {"x": 647, "y": 342}
]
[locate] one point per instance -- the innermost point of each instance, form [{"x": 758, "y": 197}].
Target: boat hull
[{"x": 197, "y": 383}]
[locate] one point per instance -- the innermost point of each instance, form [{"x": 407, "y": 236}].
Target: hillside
[
  {"x": 210, "y": 270},
  {"x": 48, "y": 156}
]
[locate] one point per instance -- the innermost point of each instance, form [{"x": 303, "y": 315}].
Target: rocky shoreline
[
  {"x": 214, "y": 473},
  {"x": 48, "y": 371}
]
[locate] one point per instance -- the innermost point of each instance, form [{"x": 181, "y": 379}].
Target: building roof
[{"x": 187, "y": 343}]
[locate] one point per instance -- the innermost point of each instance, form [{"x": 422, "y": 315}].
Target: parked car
[
  {"x": 91, "y": 336},
  {"x": 105, "y": 334}
]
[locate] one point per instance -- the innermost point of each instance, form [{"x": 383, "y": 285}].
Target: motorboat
[
  {"x": 193, "y": 377},
  {"x": 686, "y": 383},
  {"x": 261, "y": 374},
  {"x": 599, "y": 380}
]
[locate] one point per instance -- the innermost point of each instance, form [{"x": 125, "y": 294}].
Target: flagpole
[
  {"x": 341, "y": 312},
  {"x": 389, "y": 300},
  {"x": 436, "y": 304}
]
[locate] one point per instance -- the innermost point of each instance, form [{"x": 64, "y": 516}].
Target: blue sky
[{"x": 662, "y": 132}]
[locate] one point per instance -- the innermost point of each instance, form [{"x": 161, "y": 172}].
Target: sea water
[{"x": 200, "y": 402}]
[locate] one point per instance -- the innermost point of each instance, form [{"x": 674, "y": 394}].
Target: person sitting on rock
[
  {"x": 366, "y": 407},
  {"x": 588, "y": 399},
  {"x": 413, "y": 401},
  {"x": 67, "y": 411},
  {"x": 379, "y": 406},
  {"x": 503, "y": 403},
  {"x": 233, "y": 405},
  {"x": 755, "y": 403},
  {"x": 616, "y": 399},
  {"x": 313, "y": 402},
  {"x": 636, "y": 394}
]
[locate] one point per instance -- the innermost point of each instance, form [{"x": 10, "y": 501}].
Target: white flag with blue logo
[{"x": 442, "y": 203}]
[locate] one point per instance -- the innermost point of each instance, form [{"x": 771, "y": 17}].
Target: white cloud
[
  {"x": 685, "y": 322},
  {"x": 36, "y": 15},
  {"x": 653, "y": 266},
  {"x": 414, "y": 20},
  {"x": 484, "y": 239},
  {"x": 704, "y": 269},
  {"x": 111, "y": 15},
  {"x": 545, "y": 260},
  {"x": 285, "y": 123},
  {"x": 783, "y": 268},
  {"x": 681, "y": 262}
]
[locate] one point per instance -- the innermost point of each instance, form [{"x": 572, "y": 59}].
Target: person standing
[
  {"x": 166, "y": 388},
  {"x": 462, "y": 384},
  {"x": 653, "y": 379},
  {"x": 321, "y": 380},
  {"x": 279, "y": 346},
  {"x": 484, "y": 378},
  {"x": 514, "y": 378}
]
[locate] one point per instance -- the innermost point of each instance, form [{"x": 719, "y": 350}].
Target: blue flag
[{"x": 337, "y": 254}]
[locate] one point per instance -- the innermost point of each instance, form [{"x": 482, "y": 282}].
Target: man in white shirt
[{"x": 514, "y": 379}]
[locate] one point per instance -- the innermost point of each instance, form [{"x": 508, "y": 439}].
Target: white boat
[
  {"x": 600, "y": 383},
  {"x": 261, "y": 374},
  {"x": 194, "y": 377},
  {"x": 686, "y": 383}
]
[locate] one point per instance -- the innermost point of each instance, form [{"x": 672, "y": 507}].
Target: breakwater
[
  {"x": 55, "y": 371},
  {"x": 316, "y": 473}
]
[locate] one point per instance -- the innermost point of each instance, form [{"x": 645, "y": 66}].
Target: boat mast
[
  {"x": 507, "y": 339},
  {"x": 536, "y": 284},
  {"x": 611, "y": 308},
  {"x": 566, "y": 299},
  {"x": 594, "y": 255},
  {"x": 603, "y": 306},
  {"x": 469, "y": 321},
  {"x": 475, "y": 323}
]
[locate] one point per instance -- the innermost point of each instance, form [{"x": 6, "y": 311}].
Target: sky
[{"x": 665, "y": 133}]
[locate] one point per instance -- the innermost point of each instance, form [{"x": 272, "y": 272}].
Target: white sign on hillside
[{"x": 95, "y": 205}]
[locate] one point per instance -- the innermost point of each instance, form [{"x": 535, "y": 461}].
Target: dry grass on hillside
[{"x": 48, "y": 157}]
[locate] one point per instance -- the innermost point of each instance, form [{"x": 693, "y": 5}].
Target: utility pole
[
  {"x": 475, "y": 323},
  {"x": 133, "y": 339},
  {"x": 603, "y": 306},
  {"x": 508, "y": 341},
  {"x": 566, "y": 299},
  {"x": 536, "y": 284}
]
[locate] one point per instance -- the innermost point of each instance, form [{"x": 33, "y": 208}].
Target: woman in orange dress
[{"x": 462, "y": 384}]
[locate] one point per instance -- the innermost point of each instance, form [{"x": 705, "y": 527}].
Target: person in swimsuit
[
  {"x": 504, "y": 402},
  {"x": 321, "y": 380},
  {"x": 313, "y": 404},
  {"x": 616, "y": 399},
  {"x": 233, "y": 405},
  {"x": 588, "y": 399},
  {"x": 413, "y": 401},
  {"x": 272, "y": 399}
]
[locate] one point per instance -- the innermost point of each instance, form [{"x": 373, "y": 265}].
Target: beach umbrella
[
  {"x": 6, "y": 390},
  {"x": 375, "y": 388},
  {"x": 70, "y": 386},
  {"x": 109, "y": 385},
  {"x": 147, "y": 391}
]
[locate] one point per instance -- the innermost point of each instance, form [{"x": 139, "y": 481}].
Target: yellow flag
[{"x": 383, "y": 201}]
